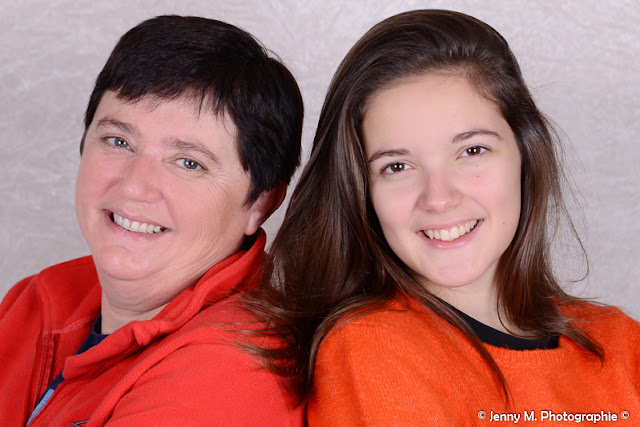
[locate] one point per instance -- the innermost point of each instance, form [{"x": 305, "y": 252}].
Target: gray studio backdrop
[{"x": 581, "y": 58}]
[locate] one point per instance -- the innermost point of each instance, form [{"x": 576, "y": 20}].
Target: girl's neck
[{"x": 480, "y": 303}]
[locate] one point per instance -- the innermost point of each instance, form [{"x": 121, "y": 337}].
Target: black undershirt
[{"x": 496, "y": 338}]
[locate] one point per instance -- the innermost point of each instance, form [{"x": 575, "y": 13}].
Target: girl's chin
[{"x": 446, "y": 283}]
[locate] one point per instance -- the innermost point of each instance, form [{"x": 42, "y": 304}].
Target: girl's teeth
[
  {"x": 136, "y": 226},
  {"x": 453, "y": 233}
]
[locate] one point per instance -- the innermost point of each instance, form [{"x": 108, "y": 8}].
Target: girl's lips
[
  {"x": 452, "y": 243},
  {"x": 451, "y": 233}
]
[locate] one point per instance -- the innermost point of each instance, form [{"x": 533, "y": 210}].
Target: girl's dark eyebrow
[
  {"x": 474, "y": 132},
  {"x": 388, "y": 153},
  {"x": 456, "y": 139}
]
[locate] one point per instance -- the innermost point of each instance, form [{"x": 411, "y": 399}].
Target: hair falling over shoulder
[{"x": 330, "y": 262}]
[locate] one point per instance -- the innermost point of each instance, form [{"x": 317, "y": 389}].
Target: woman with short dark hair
[{"x": 192, "y": 133}]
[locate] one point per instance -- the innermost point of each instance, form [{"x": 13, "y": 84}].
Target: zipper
[{"x": 41, "y": 406}]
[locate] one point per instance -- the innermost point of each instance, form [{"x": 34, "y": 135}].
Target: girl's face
[{"x": 444, "y": 179}]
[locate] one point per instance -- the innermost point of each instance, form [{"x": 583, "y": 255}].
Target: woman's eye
[
  {"x": 118, "y": 142},
  {"x": 396, "y": 167},
  {"x": 190, "y": 164},
  {"x": 473, "y": 151}
]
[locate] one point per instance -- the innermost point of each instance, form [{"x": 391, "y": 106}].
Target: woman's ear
[{"x": 262, "y": 208}]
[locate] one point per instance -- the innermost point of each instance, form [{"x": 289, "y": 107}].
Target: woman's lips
[{"x": 136, "y": 226}]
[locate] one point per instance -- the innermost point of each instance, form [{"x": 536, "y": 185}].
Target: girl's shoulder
[
  {"x": 600, "y": 319},
  {"x": 400, "y": 322},
  {"x": 405, "y": 321},
  {"x": 617, "y": 333}
]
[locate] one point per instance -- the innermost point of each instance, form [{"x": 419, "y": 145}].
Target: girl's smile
[{"x": 444, "y": 179}]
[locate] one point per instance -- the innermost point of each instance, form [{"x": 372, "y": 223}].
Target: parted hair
[
  {"x": 227, "y": 71},
  {"x": 330, "y": 261}
]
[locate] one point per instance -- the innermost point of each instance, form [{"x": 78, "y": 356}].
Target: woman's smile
[
  {"x": 136, "y": 226},
  {"x": 161, "y": 194}
]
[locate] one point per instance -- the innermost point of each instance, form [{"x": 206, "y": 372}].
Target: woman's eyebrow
[
  {"x": 106, "y": 122},
  {"x": 388, "y": 153},
  {"x": 474, "y": 132},
  {"x": 197, "y": 148},
  {"x": 177, "y": 143}
]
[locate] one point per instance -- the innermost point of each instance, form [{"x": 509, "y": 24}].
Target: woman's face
[
  {"x": 161, "y": 194},
  {"x": 444, "y": 179}
]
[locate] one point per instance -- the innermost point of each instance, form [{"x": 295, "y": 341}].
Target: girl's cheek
[{"x": 392, "y": 204}]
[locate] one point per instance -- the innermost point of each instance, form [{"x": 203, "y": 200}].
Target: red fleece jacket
[{"x": 180, "y": 368}]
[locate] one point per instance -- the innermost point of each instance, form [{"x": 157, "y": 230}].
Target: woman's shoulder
[
  {"x": 225, "y": 321},
  {"x": 67, "y": 283},
  {"x": 66, "y": 291}
]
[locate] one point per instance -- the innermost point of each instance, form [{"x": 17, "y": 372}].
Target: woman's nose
[{"x": 140, "y": 179}]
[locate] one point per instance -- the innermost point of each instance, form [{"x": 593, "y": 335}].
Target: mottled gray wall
[{"x": 580, "y": 57}]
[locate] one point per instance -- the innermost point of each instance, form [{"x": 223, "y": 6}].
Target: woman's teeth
[
  {"x": 136, "y": 226},
  {"x": 452, "y": 233}
]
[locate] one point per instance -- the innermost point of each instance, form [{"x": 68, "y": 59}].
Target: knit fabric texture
[{"x": 404, "y": 365}]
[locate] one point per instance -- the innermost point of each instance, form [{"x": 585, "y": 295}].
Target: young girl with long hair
[{"x": 412, "y": 274}]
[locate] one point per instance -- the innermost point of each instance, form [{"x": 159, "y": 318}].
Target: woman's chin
[{"x": 122, "y": 267}]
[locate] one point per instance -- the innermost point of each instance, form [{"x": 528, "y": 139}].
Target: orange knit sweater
[{"x": 410, "y": 367}]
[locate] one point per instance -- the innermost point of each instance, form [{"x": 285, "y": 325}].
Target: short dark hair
[{"x": 223, "y": 68}]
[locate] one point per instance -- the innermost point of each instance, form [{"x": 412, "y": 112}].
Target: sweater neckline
[{"x": 496, "y": 338}]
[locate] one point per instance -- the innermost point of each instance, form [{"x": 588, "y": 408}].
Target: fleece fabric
[
  {"x": 404, "y": 365},
  {"x": 183, "y": 367}
]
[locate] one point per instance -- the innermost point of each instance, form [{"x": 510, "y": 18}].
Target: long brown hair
[{"x": 330, "y": 261}]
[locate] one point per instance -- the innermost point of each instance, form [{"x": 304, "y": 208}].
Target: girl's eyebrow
[
  {"x": 461, "y": 137},
  {"x": 474, "y": 132},
  {"x": 388, "y": 153}
]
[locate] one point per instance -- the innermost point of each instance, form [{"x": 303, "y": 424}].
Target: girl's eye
[
  {"x": 118, "y": 142},
  {"x": 190, "y": 164},
  {"x": 396, "y": 168},
  {"x": 473, "y": 151}
]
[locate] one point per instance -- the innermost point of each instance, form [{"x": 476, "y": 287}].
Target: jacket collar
[{"x": 236, "y": 272}]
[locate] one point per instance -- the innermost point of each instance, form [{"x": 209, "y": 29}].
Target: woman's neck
[
  {"x": 114, "y": 317},
  {"x": 125, "y": 301}
]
